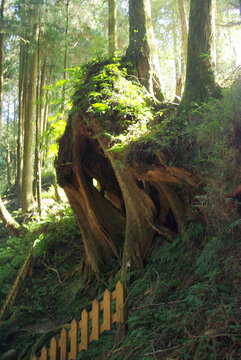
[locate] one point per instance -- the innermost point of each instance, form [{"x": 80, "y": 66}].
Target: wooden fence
[
  {"x": 15, "y": 287},
  {"x": 112, "y": 309}
]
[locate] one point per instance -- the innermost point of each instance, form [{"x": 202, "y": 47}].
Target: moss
[{"x": 108, "y": 92}]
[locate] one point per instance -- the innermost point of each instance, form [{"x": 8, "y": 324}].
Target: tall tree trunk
[
  {"x": 45, "y": 120},
  {"x": 8, "y": 152},
  {"x": 214, "y": 50},
  {"x": 15, "y": 141},
  {"x": 183, "y": 18},
  {"x": 8, "y": 220},
  {"x": 142, "y": 50},
  {"x": 27, "y": 195},
  {"x": 112, "y": 28},
  {"x": 200, "y": 82},
  {"x": 21, "y": 114},
  {"x": 2, "y": 13},
  {"x": 178, "y": 91},
  {"x": 38, "y": 133},
  {"x": 65, "y": 52},
  {"x": 35, "y": 168}
]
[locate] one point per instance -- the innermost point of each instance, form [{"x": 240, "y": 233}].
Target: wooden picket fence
[
  {"x": 89, "y": 328},
  {"x": 8, "y": 302}
]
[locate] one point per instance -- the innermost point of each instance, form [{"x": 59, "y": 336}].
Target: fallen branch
[
  {"x": 159, "y": 304},
  {"x": 54, "y": 270},
  {"x": 163, "y": 350}
]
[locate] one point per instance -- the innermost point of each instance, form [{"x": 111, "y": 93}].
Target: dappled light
[{"x": 120, "y": 179}]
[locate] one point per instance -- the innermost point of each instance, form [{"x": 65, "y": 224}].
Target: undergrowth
[{"x": 186, "y": 305}]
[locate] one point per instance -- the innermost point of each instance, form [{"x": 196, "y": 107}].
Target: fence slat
[
  {"x": 59, "y": 349},
  {"x": 121, "y": 310},
  {"x": 120, "y": 302},
  {"x": 63, "y": 345},
  {"x": 44, "y": 354},
  {"x": 95, "y": 316},
  {"x": 84, "y": 330},
  {"x": 106, "y": 312},
  {"x": 53, "y": 349},
  {"x": 73, "y": 336}
]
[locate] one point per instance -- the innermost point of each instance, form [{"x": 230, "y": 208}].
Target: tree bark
[
  {"x": 27, "y": 195},
  {"x": 178, "y": 91},
  {"x": 2, "y": 14},
  {"x": 112, "y": 28},
  {"x": 139, "y": 209},
  {"x": 21, "y": 88},
  {"x": 200, "y": 82},
  {"x": 65, "y": 52},
  {"x": 15, "y": 141},
  {"x": 8, "y": 152},
  {"x": 214, "y": 50},
  {"x": 80, "y": 160},
  {"x": 142, "y": 51},
  {"x": 183, "y": 19}
]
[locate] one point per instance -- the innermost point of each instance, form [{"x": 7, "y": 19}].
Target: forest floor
[{"x": 185, "y": 305}]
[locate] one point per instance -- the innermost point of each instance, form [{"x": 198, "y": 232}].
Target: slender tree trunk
[
  {"x": 45, "y": 120},
  {"x": 178, "y": 91},
  {"x": 142, "y": 51},
  {"x": 214, "y": 50},
  {"x": 8, "y": 220},
  {"x": 65, "y": 52},
  {"x": 27, "y": 195},
  {"x": 15, "y": 141},
  {"x": 112, "y": 27},
  {"x": 183, "y": 18},
  {"x": 39, "y": 121},
  {"x": 2, "y": 13},
  {"x": 21, "y": 111},
  {"x": 8, "y": 152},
  {"x": 35, "y": 168},
  {"x": 200, "y": 82}
]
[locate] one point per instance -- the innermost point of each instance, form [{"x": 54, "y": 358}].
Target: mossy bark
[
  {"x": 2, "y": 14},
  {"x": 27, "y": 194},
  {"x": 142, "y": 51},
  {"x": 112, "y": 27},
  {"x": 200, "y": 81}
]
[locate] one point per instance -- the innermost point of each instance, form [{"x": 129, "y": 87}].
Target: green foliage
[
  {"x": 112, "y": 93},
  {"x": 186, "y": 299}
]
